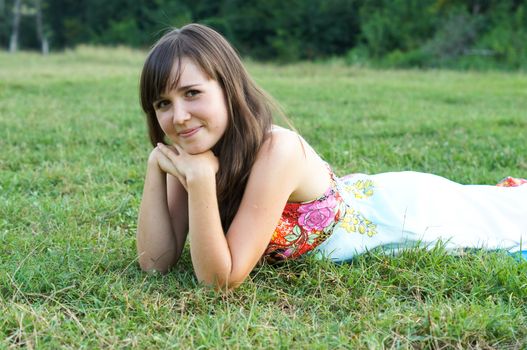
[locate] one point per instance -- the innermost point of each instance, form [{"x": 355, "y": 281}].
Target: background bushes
[{"x": 388, "y": 33}]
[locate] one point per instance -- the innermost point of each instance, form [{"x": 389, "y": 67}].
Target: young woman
[{"x": 243, "y": 189}]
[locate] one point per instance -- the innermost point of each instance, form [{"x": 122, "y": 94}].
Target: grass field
[{"x": 73, "y": 151}]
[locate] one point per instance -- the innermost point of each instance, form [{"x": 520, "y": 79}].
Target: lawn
[{"x": 73, "y": 154}]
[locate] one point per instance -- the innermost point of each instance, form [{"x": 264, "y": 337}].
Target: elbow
[
  {"x": 222, "y": 282},
  {"x": 149, "y": 267},
  {"x": 222, "y": 285},
  {"x": 227, "y": 285},
  {"x": 227, "y": 278},
  {"x": 149, "y": 264}
]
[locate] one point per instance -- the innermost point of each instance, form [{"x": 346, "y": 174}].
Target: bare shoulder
[
  {"x": 279, "y": 163},
  {"x": 286, "y": 154},
  {"x": 283, "y": 145}
]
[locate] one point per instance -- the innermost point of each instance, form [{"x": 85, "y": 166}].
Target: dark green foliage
[
  {"x": 386, "y": 33},
  {"x": 5, "y": 23},
  {"x": 389, "y": 25},
  {"x": 290, "y": 30}
]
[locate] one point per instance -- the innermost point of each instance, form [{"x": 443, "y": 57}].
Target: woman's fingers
[
  {"x": 178, "y": 149},
  {"x": 164, "y": 162},
  {"x": 167, "y": 165},
  {"x": 173, "y": 149},
  {"x": 169, "y": 152}
]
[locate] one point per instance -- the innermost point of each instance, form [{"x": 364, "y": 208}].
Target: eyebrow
[
  {"x": 181, "y": 88},
  {"x": 187, "y": 86}
]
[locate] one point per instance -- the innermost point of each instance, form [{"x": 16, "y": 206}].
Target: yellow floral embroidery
[
  {"x": 353, "y": 221},
  {"x": 361, "y": 189}
]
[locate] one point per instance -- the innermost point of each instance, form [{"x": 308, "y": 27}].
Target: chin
[
  {"x": 196, "y": 150},
  {"x": 196, "y": 147}
]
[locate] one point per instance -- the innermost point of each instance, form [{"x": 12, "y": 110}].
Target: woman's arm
[
  {"x": 163, "y": 218},
  {"x": 226, "y": 260}
]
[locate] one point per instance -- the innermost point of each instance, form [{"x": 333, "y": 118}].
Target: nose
[{"x": 179, "y": 113}]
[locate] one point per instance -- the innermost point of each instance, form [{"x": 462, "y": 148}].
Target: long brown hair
[{"x": 249, "y": 108}]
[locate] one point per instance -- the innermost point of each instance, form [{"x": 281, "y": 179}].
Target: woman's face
[{"x": 194, "y": 113}]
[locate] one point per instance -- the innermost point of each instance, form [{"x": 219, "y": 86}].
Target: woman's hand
[{"x": 184, "y": 166}]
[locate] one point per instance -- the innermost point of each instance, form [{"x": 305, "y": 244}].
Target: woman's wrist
[{"x": 201, "y": 177}]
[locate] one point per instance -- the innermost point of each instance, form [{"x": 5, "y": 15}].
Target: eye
[
  {"x": 192, "y": 93},
  {"x": 161, "y": 104}
]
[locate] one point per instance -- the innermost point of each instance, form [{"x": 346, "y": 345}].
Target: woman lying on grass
[{"x": 245, "y": 190}]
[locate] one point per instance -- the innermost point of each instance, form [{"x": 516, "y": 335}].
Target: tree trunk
[
  {"x": 40, "y": 29},
  {"x": 13, "y": 44}
]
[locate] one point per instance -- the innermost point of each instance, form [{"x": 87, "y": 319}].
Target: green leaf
[
  {"x": 297, "y": 230},
  {"x": 311, "y": 238},
  {"x": 291, "y": 238}
]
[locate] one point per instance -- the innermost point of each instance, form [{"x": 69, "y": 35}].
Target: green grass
[{"x": 73, "y": 153}]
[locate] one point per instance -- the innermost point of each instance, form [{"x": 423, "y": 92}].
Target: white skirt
[{"x": 401, "y": 209}]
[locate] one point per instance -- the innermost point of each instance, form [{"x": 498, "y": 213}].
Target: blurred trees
[{"x": 427, "y": 33}]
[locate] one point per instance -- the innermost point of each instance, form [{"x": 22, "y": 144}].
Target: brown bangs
[{"x": 156, "y": 74}]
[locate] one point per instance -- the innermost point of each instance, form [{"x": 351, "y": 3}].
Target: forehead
[{"x": 186, "y": 72}]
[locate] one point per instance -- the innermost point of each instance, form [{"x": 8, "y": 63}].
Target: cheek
[{"x": 164, "y": 122}]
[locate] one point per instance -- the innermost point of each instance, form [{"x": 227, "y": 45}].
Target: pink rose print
[{"x": 317, "y": 215}]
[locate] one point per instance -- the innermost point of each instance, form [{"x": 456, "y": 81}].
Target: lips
[{"x": 189, "y": 132}]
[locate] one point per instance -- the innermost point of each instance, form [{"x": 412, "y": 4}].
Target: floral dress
[
  {"x": 303, "y": 226},
  {"x": 395, "y": 210}
]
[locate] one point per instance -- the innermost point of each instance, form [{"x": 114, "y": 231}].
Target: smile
[{"x": 189, "y": 132}]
